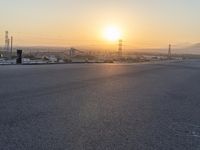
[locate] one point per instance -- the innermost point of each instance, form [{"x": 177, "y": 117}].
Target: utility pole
[
  {"x": 11, "y": 46},
  {"x": 169, "y": 52},
  {"x": 120, "y": 48}
]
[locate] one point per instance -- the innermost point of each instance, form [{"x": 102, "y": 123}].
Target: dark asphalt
[{"x": 100, "y": 107}]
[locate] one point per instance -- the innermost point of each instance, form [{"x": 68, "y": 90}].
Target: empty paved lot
[{"x": 100, "y": 107}]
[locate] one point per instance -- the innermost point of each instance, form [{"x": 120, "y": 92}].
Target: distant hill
[
  {"x": 194, "y": 48},
  {"x": 186, "y": 48}
]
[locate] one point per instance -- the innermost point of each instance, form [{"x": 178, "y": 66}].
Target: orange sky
[{"x": 144, "y": 24}]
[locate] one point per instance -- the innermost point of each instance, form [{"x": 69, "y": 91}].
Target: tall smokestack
[{"x": 6, "y": 41}]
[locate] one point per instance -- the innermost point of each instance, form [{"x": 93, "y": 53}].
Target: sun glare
[{"x": 112, "y": 33}]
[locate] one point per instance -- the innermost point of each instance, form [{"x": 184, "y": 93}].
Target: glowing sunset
[
  {"x": 144, "y": 23},
  {"x": 112, "y": 33}
]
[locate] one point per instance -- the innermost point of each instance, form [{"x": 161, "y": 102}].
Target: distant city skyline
[{"x": 144, "y": 23}]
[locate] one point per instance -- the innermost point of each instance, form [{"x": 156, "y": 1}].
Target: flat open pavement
[{"x": 100, "y": 106}]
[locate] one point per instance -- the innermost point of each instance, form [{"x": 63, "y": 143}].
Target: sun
[{"x": 112, "y": 33}]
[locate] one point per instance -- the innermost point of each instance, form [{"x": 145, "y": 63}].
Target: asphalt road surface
[{"x": 100, "y": 106}]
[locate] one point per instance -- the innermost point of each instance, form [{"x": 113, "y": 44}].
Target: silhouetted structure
[
  {"x": 19, "y": 57},
  {"x": 8, "y": 45},
  {"x": 11, "y": 46},
  {"x": 6, "y": 42},
  {"x": 73, "y": 52},
  {"x": 169, "y": 52},
  {"x": 120, "y": 48}
]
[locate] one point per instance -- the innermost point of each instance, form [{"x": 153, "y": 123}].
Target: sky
[{"x": 143, "y": 23}]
